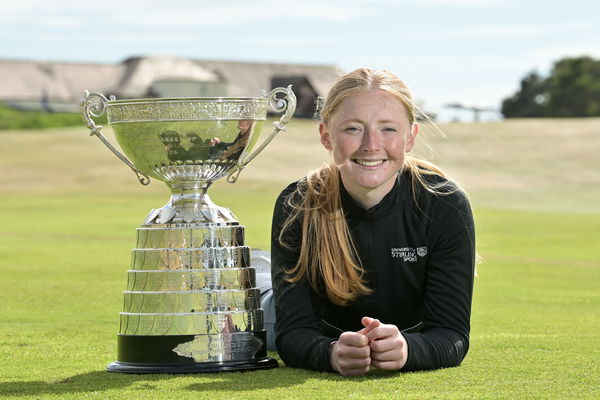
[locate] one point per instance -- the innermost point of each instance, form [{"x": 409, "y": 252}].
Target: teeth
[{"x": 368, "y": 163}]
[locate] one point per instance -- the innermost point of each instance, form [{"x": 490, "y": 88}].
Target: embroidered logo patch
[{"x": 409, "y": 254}]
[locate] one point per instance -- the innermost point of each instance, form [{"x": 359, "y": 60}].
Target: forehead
[{"x": 369, "y": 104}]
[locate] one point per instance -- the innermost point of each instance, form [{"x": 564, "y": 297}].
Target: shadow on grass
[{"x": 98, "y": 381}]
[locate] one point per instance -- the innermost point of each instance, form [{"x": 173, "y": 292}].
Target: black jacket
[{"x": 418, "y": 258}]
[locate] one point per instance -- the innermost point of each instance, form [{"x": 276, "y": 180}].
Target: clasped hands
[{"x": 377, "y": 344}]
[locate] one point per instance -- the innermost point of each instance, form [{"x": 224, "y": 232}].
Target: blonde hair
[{"x": 328, "y": 256}]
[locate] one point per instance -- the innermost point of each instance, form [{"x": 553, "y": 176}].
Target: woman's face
[{"x": 368, "y": 135}]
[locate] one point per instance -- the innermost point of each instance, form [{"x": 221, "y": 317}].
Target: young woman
[{"x": 373, "y": 255}]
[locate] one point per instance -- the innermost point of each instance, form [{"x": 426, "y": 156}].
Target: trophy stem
[{"x": 190, "y": 203}]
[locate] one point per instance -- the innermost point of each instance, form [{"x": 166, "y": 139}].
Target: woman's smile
[{"x": 369, "y": 163}]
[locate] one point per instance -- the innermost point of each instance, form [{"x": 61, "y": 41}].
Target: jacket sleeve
[
  {"x": 444, "y": 339},
  {"x": 300, "y": 340}
]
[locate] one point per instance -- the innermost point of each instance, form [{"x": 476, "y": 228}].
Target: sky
[{"x": 447, "y": 51}]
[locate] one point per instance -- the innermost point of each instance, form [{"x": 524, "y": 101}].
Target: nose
[{"x": 371, "y": 141}]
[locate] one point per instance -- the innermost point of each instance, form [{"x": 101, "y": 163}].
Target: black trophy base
[
  {"x": 155, "y": 355},
  {"x": 206, "y": 367}
]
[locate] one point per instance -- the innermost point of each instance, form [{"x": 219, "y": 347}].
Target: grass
[
  {"x": 70, "y": 208},
  {"x": 15, "y": 119}
]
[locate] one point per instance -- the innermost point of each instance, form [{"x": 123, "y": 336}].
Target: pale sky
[{"x": 469, "y": 51}]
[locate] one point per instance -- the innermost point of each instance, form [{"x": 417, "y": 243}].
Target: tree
[
  {"x": 574, "y": 88},
  {"x": 571, "y": 90},
  {"x": 529, "y": 100}
]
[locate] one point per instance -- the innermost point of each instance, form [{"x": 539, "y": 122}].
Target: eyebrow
[{"x": 383, "y": 121}]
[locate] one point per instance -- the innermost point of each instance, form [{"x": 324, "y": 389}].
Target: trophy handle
[
  {"x": 287, "y": 104},
  {"x": 94, "y": 105}
]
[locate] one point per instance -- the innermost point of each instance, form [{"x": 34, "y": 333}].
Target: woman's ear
[
  {"x": 412, "y": 137},
  {"x": 325, "y": 138}
]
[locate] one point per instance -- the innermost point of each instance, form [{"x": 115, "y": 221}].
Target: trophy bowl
[
  {"x": 182, "y": 140},
  {"x": 191, "y": 303}
]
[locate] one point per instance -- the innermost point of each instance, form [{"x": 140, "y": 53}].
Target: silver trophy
[{"x": 191, "y": 303}]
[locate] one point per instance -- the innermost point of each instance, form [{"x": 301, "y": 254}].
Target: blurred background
[{"x": 464, "y": 60}]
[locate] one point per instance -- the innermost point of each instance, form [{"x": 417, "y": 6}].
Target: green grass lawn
[
  {"x": 15, "y": 119},
  {"x": 69, "y": 209}
]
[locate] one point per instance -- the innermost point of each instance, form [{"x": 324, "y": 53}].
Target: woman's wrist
[{"x": 331, "y": 355}]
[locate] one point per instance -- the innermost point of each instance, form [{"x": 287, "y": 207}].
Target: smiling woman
[
  {"x": 373, "y": 255},
  {"x": 369, "y": 136}
]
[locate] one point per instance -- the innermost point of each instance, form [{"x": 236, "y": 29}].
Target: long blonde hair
[{"x": 328, "y": 256}]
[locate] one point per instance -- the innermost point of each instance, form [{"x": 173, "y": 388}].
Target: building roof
[
  {"x": 61, "y": 81},
  {"x": 141, "y": 72},
  {"x": 64, "y": 82},
  {"x": 248, "y": 79}
]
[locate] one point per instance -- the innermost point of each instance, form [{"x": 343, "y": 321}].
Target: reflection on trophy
[{"x": 191, "y": 303}]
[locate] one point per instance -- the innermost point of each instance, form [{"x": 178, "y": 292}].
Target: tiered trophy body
[{"x": 191, "y": 303}]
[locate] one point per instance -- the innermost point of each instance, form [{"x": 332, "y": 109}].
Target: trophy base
[
  {"x": 156, "y": 355},
  {"x": 207, "y": 367}
]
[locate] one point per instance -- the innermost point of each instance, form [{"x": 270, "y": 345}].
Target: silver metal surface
[
  {"x": 206, "y": 301},
  {"x": 188, "y": 206},
  {"x": 187, "y": 109},
  {"x": 151, "y": 324},
  {"x": 93, "y": 105},
  {"x": 209, "y": 136},
  {"x": 220, "y": 347},
  {"x": 189, "y": 236},
  {"x": 287, "y": 105},
  {"x": 190, "y": 280},
  {"x": 183, "y": 151},
  {"x": 181, "y": 259}
]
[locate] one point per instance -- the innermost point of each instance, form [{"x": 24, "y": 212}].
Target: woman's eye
[
  {"x": 390, "y": 130},
  {"x": 351, "y": 129}
]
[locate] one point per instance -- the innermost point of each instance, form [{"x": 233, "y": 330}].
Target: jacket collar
[{"x": 400, "y": 191}]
